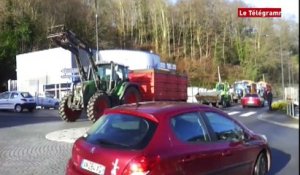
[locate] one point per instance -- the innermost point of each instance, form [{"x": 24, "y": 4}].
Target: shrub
[{"x": 279, "y": 105}]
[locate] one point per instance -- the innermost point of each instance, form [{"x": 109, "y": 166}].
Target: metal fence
[{"x": 291, "y": 95}]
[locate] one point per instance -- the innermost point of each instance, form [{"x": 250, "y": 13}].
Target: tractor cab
[{"x": 111, "y": 75}]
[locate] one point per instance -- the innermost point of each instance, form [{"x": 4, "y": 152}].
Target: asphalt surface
[
  {"x": 24, "y": 150},
  {"x": 40, "y": 143},
  {"x": 282, "y": 132}
]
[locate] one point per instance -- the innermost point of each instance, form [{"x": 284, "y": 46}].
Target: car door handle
[
  {"x": 186, "y": 158},
  {"x": 226, "y": 153}
]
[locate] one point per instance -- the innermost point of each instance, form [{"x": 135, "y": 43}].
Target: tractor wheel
[
  {"x": 223, "y": 102},
  {"x": 131, "y": 95},
  {"x": 96, "y": 106},
  {"x": 66, "y": 113}
]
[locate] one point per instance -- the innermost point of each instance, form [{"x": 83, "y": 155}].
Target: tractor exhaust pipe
[{"x": 112, "y": 75}]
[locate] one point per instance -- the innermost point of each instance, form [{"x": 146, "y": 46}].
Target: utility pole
[
  {"x": 97, "y": 45},
  {"x": 219, "y": 75},
  {"x": 97, "y": 53},
  {"x": 281, "y": 60}
]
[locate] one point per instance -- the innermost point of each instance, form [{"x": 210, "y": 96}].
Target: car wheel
[
  {"x": 18, "y": 108},
  {"x": 56, "y": 105},
  {"x": 30, "y": 109},
  {"x": 261, "y": 165}
]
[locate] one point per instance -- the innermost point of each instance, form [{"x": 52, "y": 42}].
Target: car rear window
[
  {"x": 26, "y": 95},
  {"x": 121, "y": 131},
  {"x": 251, "y": 95}
]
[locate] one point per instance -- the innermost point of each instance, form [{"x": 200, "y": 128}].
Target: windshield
[
  {"x": 121, "y": 131},
  {"x": 26, "y": 95},
  {"x": 251, "y": 95}
]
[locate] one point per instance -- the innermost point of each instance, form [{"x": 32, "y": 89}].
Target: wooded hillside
[{"x": 197, "y": 35}]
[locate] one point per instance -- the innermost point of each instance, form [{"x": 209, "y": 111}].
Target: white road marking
[
  {"x": 66, "y": 135},
  {"x": 247, "y": 114},
  {"x": 291, "y": 125},
  {"x": 233, "y": 112}
]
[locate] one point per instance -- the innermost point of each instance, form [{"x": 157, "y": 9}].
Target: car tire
[
  {"x": 31, "y": 109},
  {"x": 18, "y": 108},
  {"x": 261, "y": 165},
  {"x": 56, "y": 105}
]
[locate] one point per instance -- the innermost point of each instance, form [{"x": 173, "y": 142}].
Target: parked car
[
  {"x": 169, "y": 138},
  {"x": 17, "y": 101},
  {"x": 252, "y": 100},
  {"x": 47, "y": 101}
]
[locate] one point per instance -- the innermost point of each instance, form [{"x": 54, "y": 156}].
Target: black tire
[
  {"x": 214, "y": 104},
  {"x": 261, "y": 165},
  {"x": 56, "y": 105},
  {"x": 223, "y": 102},
  {"x": 131, "y": 95},
  {"x": 18, "y": 108},
  {"x": 96, "y": 106},
  {"x": 66, "y": 113},
  {"x": 31, "y": 109}
]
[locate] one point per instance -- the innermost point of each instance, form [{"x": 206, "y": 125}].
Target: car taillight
[
  {"x": 141, "y": 165},
  {"x": 23, "y": 99}
]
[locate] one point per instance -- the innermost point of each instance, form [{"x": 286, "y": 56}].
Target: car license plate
[
  {"x": 93, "y": 167},
  {"x": 250, "y": 102}
]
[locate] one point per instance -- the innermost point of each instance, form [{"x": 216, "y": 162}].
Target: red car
[
  {"x": 252, "y": 100},
  {"x": 168, "y": 138}
]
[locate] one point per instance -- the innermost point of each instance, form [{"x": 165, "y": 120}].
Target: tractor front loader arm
[{"x": 68, "y": 40}]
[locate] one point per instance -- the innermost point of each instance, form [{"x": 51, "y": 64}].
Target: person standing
[{"x": 269, "y": 99}]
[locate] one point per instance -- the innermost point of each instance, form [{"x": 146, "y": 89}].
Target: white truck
[{"x": 46, "y": 101}]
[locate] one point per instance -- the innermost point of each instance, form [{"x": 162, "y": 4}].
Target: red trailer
[{"x": 157, "y": 84}]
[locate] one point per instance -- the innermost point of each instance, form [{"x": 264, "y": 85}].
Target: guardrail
[{"x": 291, "y": 95}]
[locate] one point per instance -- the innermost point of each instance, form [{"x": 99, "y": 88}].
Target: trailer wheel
[
  {"x": 131, "y": 95},
  {"x": 96, "y": 106},
  {"x": 66, "y": 113}
]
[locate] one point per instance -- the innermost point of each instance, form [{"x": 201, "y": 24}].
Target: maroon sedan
[
  {"x": 252, "y": 100},
  {"x": 169, "y": 138}
]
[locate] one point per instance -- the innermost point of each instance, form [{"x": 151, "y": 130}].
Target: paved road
[
  {"x": 282, "y": 133},
  {"x": 25, "y": 150}
]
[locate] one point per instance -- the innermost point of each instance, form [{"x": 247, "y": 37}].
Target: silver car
[{"x": 17, "y": 101}]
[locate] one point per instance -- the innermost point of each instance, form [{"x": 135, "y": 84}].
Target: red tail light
[
  {"x": 23, "y": 99},
  {"x": 141, "y": 165}
]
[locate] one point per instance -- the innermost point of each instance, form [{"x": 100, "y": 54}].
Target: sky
[{"x": 289, "y": 8}]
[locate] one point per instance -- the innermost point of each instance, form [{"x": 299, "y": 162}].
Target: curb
[{"x": 289, "y": 125}]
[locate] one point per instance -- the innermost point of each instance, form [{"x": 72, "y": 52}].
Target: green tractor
[
  {"x": 223, "y": 94},
  {"x": 102, "y": 86}
]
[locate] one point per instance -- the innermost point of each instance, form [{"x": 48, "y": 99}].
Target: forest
[{"x": 197, "y": 35}]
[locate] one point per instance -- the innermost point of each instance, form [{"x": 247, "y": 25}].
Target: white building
[{"x": 50, "y": 70}]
